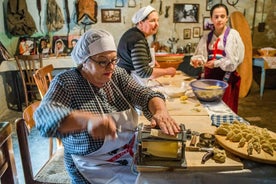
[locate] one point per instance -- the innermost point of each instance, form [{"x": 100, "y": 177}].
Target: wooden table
[
  {"x": 264, "y": 63},
  {"x": 8, "y": 172},
  {"x": 233, "y": 170}
]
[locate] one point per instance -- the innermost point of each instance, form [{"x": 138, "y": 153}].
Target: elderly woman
[
  {"x": 91, "y": 108},
  {"x": 133, "y": 49}
]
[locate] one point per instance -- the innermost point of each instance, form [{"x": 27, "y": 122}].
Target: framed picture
[
  {"x": 111, "y": 15},
  {"x": 72, "y": 41},
  {"x": 207, "y": 23},
  {"x": 60, "y": 45},
  {"x": 196, "y": 32},
  {"x": 26, "y": 46},
  {"x": 211, "y": 3},
  {"x": 44, "y": 46},
  {"x": 185, "y": 13},
  {"x": 187, "y": 34}
]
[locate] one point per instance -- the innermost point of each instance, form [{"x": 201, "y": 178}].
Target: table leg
[{"x": 262, "y": 83}]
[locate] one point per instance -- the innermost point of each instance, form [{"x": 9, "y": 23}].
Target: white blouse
[{"x": 234, "y": 50}]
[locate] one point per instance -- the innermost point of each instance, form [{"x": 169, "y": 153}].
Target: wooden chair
[
  {"x": 27, "y": 65},
  {"x": 53, "y": 171},
  {"x": 43, "y": 76}
]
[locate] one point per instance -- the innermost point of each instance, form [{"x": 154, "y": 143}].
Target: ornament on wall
[
  {"x": 119, "y": 3},
  {"x": 131, "y": 3},
  {"x": 167, "y": 11},
  {"x": 232, "y": 2}
]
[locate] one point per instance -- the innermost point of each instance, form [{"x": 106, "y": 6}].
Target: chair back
[
  {"x": 27, "y": 65},
  {"x": 43, "y": 76},
  {"x": 52, "y": 170}
]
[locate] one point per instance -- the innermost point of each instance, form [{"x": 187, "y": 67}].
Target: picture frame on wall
[
  {"x": 211, "y": 3},
  {"x": 111, "y": 15},
  {"x": 60, "y": 45},
  {"x": 196, "y": 32},
  {"x": 72, "y": 41},
  {"x": 44, "y": 47},
  {"x": 187, "y": 34},
  {"x": 26, "y": 46},
  {"x": 207, "y": 23},
  {"x": 185, "y": 13}
]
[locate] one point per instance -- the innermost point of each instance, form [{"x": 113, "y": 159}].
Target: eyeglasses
[{"x": 104, "y": 62}]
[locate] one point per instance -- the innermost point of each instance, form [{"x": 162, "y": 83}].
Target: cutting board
[
  {"x": 242, "y": 152},
  {"x": 201, "y": 124},
  {"x": 239, "y": 23},
  {"x": 189, "y": 107}
]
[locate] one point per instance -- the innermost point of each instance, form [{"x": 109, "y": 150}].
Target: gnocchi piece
[
  {"x": 222, "y": 131},
  {"x": 267, "y": 148},
  {"x": 250, "y": 148},
  {"x": 219, "y": 155},
  {"x": 242, "y": 142}
]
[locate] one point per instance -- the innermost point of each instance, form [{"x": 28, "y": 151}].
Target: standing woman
[
  {"x": 220, "y": 53},
  {"x": 133, "y": 49}
]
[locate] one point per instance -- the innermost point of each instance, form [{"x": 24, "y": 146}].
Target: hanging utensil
[
  {"x": 38, "y": 5},
  {"x": 261, "y": 26},
  {"x": 119, "y": 3},
  {"x": 167, "y": 11},
  {"x": 160, "y": 8},
  {"x": 67, "y": 16},
  {"x": 131, "y": 3},
  {"x": 254, "y": 18}
]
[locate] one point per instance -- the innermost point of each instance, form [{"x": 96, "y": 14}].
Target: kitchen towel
[{"x": 218, "y": 119}]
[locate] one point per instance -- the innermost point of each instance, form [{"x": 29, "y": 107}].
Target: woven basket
[
  {"x": 267, "y": 52},
  {"x": 169, "y": 60}
]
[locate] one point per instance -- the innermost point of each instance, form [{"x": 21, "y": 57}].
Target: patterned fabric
[
  {"x": 68, "y": 92},
  {"x": 218, "y": 119},
  {"x": 134, "y": 53}
]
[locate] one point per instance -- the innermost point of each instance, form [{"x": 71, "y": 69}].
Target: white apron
[{"x": 113, "y": 161}]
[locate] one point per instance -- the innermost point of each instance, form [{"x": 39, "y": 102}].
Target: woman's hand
[
  {"x": 197, "y": 63},
  {"x": 101, "y": 126},
  {"x": 165, "y": 122},
  {"x": 210, "y": 64}
]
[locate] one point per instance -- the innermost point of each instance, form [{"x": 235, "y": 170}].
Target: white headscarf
[
  {"x": 142, "y": 13},
  {"x": 92, "y": 42}
]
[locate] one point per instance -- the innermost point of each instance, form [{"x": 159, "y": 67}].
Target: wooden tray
[
  {"x": 242, "y": 152},
  {"x": 239, "y": 23}
]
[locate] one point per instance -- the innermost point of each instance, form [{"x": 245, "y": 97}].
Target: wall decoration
[
  {"x": 187, "y": 34},
  {"x": 185, "y": 13},
  {"x": 119, "y": 3},
  {"x": 60, "y": 45},
  {"x": 111, "y": 15},
  {"x": 44, "y": 46},
  {"x": 72, "y": 41},
  {"x": 196, "y": 32},
  {"x": 211, "y": 3},
  {"x": 132, "y": 3},
  {"x": 26, "y": 46},
  {"x": 207, "y": 23}
]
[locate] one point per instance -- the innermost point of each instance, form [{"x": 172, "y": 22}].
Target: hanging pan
[{"x": 261, "y": 26}]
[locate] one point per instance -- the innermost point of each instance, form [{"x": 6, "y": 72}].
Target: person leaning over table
[
  {"x": 133, "y": 49},
  {"x": 220, "y": 53},
  {"x": 91, "y": 109}
]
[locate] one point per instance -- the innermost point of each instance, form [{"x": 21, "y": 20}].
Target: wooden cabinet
[{"x": 7, "y": 164}]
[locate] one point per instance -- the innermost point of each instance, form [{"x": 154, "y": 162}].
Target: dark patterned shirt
[{"x": 68, "y": 92}]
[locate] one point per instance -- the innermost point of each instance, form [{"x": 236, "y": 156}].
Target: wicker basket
[
  {"x": 270, "y": 52},
  {"x": 169, "y": 60}
]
